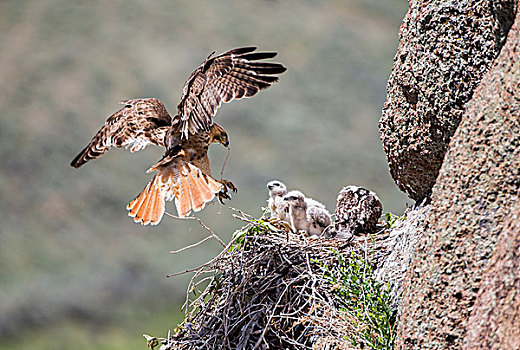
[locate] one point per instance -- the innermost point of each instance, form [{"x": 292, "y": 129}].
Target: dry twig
[
  {"x": 201, "y": 224},
  {"x": 267, "y": 292}
]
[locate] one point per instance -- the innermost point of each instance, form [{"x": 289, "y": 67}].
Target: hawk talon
[
  {"x": 223, "y": 195},
  {"x": 224, "y": 192},
  {"x": 228, "y": 185}
]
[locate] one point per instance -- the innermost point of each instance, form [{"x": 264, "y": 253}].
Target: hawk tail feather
[
  {"x": 195, "y": 190},
  {"x": 191, "y": 190},
  {"x": 148, "y": 206}
]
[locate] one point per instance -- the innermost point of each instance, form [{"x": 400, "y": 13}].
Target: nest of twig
[{"x": 274, "y": 289}]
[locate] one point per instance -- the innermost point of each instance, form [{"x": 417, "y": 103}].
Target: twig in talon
[
  {"x": 225, "y": 163},
  {"x": 222, "y": 173}
]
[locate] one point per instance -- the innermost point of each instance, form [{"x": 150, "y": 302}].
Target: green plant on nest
[
  {"x": 392, "y": 219},
  {"x": 364, "y": 298}
]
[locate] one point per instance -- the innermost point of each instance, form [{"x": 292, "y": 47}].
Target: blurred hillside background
[{"x": 75, "y": 271}]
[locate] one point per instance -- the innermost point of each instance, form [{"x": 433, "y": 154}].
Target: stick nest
[{"x": 272, "y": 289}]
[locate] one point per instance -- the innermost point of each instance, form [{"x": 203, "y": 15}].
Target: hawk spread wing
[
  {"x": 139, "y": 123},
  {"x": 232, "y": 75}
]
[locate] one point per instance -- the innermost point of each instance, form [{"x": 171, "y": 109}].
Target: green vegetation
[
  {"x": 261, "y": 226},
  {"x": 365, "y": 300},
  {"x": 392, "y": 219}
]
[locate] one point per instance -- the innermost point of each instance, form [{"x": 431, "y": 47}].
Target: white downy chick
[
  {"x": 318, "y": 216},
  {"x": 297, "y": 210},
  {"x": 277, "y": 206},
  {"x": 307, "y": 214}
]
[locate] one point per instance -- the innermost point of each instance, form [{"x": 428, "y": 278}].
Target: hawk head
[
  {"x": 219, "y": 135},
  {"x": 276, "y": 188},
  {"x": 295, "y": 198}
]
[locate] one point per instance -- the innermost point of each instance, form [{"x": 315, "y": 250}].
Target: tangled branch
[{"x": 269, "y": 288}]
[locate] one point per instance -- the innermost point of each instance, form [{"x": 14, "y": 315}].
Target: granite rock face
[
  {"x": 495, "y": 320},
  {"x": 445, "y": 49},
  {"x": 400, "y": 246},
  {"x": 476, "y": 190}
]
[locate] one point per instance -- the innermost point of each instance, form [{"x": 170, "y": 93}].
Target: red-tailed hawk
[
  {"x": 307, "y": 214},
  {"x": 278, "y": 207},
  {"x": 183, "y": 174},
  {"x": 357, "y": 211}
]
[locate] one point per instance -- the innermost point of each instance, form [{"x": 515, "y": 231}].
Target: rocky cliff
[
  {"x": 462, "y": 286},
  {"x": 494, "y": 322},
  {"x": 445, "y": 49}
]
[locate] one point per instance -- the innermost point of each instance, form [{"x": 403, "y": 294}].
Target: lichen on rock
[
  {"x": 476, "y": 190},
  {"x": 445, "y": 49}
]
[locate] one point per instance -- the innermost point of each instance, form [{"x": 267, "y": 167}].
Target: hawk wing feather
[
  {"x": 231, "y": 75},
  {"x": 139, "y": 123}
]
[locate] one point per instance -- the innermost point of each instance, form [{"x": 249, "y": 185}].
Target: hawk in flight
[{"x": 183, "y": 173}]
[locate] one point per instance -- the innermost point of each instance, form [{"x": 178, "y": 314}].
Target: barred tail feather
[
  {"x": 148, "y": 206},
  {"x": 182, "y": 198},
  {"x": 191, "y": 191},
  {"x": 195, "y": 190},
  {"x": 198, "y": 193}
]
